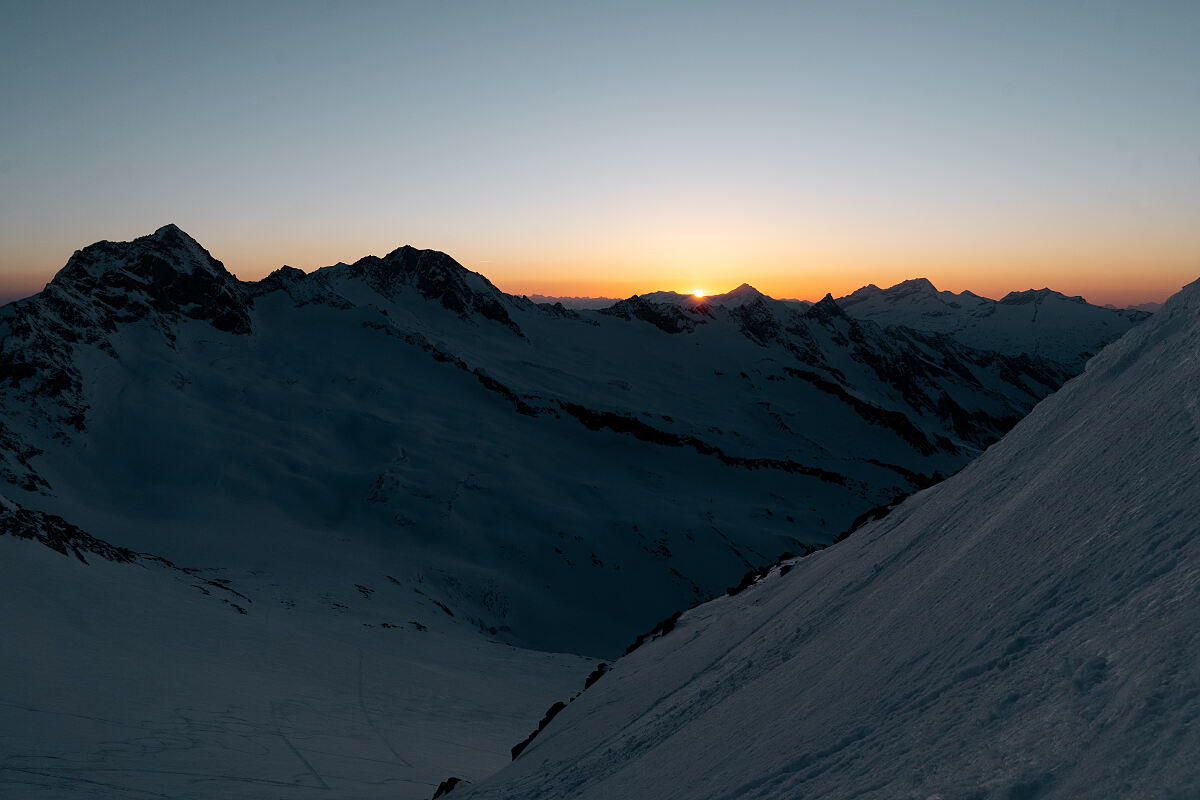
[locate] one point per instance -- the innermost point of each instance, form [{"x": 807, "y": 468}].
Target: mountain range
[
  {"x": 312, "y": 498},
  {"x": 1025, "y": 629}
]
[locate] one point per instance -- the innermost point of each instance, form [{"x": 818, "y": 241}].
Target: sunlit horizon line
[
  {"x": 1119, "y": 297},
  {"x": 1121, "y": 275},
  {"x": 1099, "y": 286}
]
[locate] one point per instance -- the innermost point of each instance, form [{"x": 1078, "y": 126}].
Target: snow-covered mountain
[
  {"x": 1041, "y": 322},
  {"x": 537, "y": 458},
  {"x": 400, "y": 470},
  {"x": 1026, "y": 629}
]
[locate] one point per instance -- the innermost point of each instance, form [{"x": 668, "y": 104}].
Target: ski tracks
[
  {"x": 362, "y": 704},
  {"x": 279, "y": 731}
]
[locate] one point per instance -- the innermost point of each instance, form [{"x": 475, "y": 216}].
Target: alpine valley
[{"x": 349, "y": 533}]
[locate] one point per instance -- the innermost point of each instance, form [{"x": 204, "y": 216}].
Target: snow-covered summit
[
  {"x": 825, "y": 308},
  {"x": 433, "y": 274},
  {"x": 1039, "y": 296},
  {"x": 163, "y": 280},
  {"x": 912, "y": 286},
  {"x": 667, "y": 296},
  {"x": 177, "y": 249},
  {"x": 165, "y": 275},
  {"x": 1042, "y": 322},
  {"x": 915, "y": 293},
  {"x": 668, "y": 314},
  {"x": 743, "y": 294},
  {"x": 864, "y": 291}
]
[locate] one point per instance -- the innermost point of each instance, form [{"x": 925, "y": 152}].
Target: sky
[{"x": 570, "y": 148}]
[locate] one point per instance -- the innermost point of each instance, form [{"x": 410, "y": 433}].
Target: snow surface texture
[
  {"x": 1026, "y": 629},
  {"x": 124, "y": 681}
]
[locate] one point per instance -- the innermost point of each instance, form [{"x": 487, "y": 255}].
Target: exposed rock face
[
  {"x": 159, "y": 279},
  {"x": 667, "y": 317},
  {"x": 56, "y": 533},
  {"x": 436, "y": 276},
  {"x": 162, "y": 277}
]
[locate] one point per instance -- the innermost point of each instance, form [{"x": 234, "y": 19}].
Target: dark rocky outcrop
[
  {"x": 435, "y": 276},
  {"x": 667, "y": 317}
]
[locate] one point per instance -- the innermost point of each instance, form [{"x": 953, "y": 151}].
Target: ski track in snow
[
  {"x": 279, "y": 731},
  {"x": 362, "y": 703}
]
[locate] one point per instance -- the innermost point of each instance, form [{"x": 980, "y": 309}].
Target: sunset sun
[{"x": 698, "y": 292}]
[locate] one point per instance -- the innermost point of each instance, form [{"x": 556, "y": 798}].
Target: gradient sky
[{"x": 612, "y": 148}]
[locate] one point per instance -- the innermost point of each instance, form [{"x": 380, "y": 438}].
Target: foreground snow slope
[
  {"x": 137, "y": 680},
  {"x": 1027, "y": 629}
]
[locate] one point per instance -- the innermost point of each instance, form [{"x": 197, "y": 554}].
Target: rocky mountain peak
[
  {"x": 912, "y": 286},
  {"x": 744, "y": 290},
  {"x": 825, "y": 308},
  {"x": 742, "y": 295},
  {"x": 165, "y": 275},
  {"x": 434, "y": 275},
  {"x": 667, "y": 317},
  {"x": 869, "y": 290},
  {"x": 1038, "y": 296},
  {"x": 159, "y": 279}
]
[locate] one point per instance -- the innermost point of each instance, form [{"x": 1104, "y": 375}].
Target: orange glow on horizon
[
  {"x": 1120, "y": 275},
  {"x": 1111, "y": 265}
]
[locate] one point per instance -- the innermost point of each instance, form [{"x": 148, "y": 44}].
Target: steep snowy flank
[
  {"x": 1026, "y": 629},
  {"x": 1042, "y": 322}
]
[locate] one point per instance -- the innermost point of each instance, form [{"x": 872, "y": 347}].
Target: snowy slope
[
  {"x": 1040, "y": 322},
  {"x": 135, "y": 679},
  {"x": 1026, "y": 629}
]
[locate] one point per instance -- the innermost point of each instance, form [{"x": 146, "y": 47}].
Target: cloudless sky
[{"x": 610, "y": 147}]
